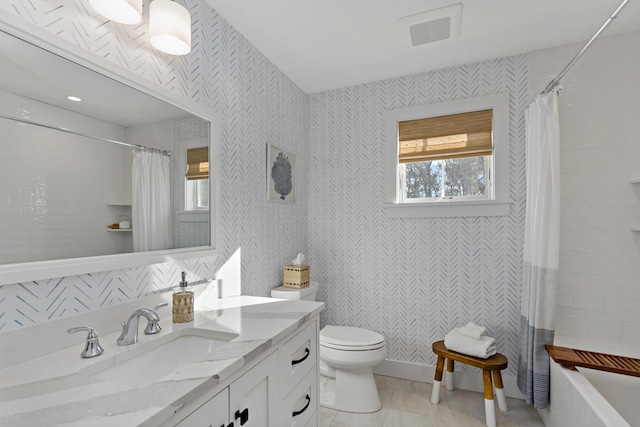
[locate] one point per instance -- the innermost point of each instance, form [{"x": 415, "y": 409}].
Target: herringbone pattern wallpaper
[
  {"x": 411, "y": 279},
  {"x": 256, "y": 104}
]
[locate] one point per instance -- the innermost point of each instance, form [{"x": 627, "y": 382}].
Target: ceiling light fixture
[
  {"x": 122, "y": 11},
  {"x": 74, "y": 98},
  {"x": 169, "y": 22},
  {"x": 170, "y": 27}
]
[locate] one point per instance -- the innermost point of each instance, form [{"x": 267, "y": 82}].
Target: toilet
[{"x": 347, "y": 358}]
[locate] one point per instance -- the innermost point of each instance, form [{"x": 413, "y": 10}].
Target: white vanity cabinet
[
  {"x": 214, "y": 413},
  {"x": 298, "y": 377},
  {"x": 279, "y": 391},
  {"x": 253, "y": 398},
  {"x": 250, "y": 401}
]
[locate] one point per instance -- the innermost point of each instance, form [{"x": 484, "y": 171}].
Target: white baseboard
[{"x": 466, "y": 380}]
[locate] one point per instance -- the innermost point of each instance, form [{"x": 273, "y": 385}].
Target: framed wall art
[{"x": 281, "y": 175}]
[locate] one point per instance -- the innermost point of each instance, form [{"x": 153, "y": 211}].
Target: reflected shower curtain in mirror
[
  {"x": 151, "y": 208},
  {"x": 541, "y": 248}
]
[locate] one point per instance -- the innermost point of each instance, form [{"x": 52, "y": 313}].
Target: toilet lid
[{"x": 347, "y": 336}]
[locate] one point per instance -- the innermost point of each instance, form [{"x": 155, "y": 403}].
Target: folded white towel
[
  {"x": 483, "y": 348},
  {"x": 472, "y": 330}
]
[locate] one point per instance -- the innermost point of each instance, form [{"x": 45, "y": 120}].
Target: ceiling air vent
[
  {"x": 434, "y": 25},
  {"x": 431, "y": 31}
]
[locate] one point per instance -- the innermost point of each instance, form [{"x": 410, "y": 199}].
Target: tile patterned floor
[{"x": 407, "y": 404}]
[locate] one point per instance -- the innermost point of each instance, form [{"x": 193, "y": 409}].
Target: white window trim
[
  {"x": 498, "y": 205},
  {"x": 185, "y": 215}
]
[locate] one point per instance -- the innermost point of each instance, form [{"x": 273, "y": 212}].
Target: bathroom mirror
[{"x": 69, "y": 197}]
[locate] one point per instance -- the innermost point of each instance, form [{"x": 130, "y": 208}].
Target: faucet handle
[
  {"x": 152, "y": 325},
  {"x": 162, "y": 304},
  {"x": 92, "y": 346}
]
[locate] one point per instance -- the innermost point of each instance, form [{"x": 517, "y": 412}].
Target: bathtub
[{"x": 589, "y": 398}]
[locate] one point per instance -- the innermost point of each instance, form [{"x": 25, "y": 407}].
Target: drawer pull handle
[
  {"x": 295, "y": 362},
  {"x": 296, "y": 413},
  {"x": 244, "y": 416}
]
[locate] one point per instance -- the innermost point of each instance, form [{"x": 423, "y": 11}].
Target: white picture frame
[{"x": 281, "y": 175}]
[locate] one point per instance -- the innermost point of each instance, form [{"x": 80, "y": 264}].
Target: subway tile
[{"x": 604, "y": 336}]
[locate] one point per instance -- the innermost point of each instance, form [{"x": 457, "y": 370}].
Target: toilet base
[{"x": 352, "y": 390}]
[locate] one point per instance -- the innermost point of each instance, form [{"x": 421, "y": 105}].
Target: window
[
  {"x": 448, "y": 159},
  {"x": 195, "y": 173},
  {"x": 197, "y": 179}
]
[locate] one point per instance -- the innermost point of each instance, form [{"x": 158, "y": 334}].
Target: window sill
[
  {"x": 187, "y": 216},
  {"x": 444, "y": 209}
]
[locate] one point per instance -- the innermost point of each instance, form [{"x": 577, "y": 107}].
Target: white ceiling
[{"x": 328, "y": 44}]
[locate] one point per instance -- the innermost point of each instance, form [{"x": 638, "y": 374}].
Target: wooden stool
[{"x": 494, "y": 365}]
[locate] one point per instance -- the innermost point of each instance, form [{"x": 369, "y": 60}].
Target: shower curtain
[
  {"x": 151, "y": 209},
  {"x": 541, "y": 248}
]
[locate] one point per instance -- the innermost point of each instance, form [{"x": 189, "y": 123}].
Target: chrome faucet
[
  {"x": 92, "y": 346},
  {"x": 129, "y": 333},
  {"x": 152, "y": 325}
]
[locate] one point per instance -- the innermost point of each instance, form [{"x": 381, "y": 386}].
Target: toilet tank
[{"x": 307, "y": 294}]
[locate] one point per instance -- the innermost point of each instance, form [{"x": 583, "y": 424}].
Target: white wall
[
  {"x": 54, "y": 192},
  {"x": 157, "y": 135},
  {"x": 599, "y": 110}
]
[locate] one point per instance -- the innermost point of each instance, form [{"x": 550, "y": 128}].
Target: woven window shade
[
  {"x": 446, "y": 137},
  {"x": 198, "y": 162}
]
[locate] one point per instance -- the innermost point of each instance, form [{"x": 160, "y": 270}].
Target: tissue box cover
[{"x": 296, "y": 276}]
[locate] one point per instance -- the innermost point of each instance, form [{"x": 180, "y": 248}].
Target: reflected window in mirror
[
  {"x": 197, "y": 179},
  {"x": 194, "y": 190}
]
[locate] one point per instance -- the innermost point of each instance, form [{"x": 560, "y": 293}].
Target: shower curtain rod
[
  {"x": 555, "y": 82},
  {"x": 72, "y": 132}
]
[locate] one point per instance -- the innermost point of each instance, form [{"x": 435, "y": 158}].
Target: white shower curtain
[
  {"x": 541, "y": 248},
  {"x": 151, "y": 202}
]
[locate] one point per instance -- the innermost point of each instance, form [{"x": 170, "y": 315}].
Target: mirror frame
[{"x": 40, "y": 270}]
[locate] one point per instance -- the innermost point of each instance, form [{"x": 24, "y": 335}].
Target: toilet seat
[{"x": 347, "y": 338}]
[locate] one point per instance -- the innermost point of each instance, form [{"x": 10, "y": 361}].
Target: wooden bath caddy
[{"x": 571, "y": 357}]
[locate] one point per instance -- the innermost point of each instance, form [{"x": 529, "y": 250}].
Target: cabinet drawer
[
  {"x": 302, "y": 403},
  {"x": 297, "y": 356},
  {"x": 313, "y": 422}
]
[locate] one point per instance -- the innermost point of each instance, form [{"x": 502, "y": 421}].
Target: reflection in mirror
[
  {"x": 197, "y": 179},
  {"x": 91, "y": 177}
]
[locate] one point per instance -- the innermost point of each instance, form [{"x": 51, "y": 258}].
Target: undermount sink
[{"x": 161, "y": 360}]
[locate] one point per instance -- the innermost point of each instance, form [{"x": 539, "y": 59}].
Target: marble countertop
[{"x": 61, "y": 388}]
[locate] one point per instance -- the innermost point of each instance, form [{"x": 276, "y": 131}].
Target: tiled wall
[
  {"x": 256, "y": 104},
  {"x": 599, "y": 108},
  {"x": 411, "y": 279},
  {"x": 47, "y": 213}
]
